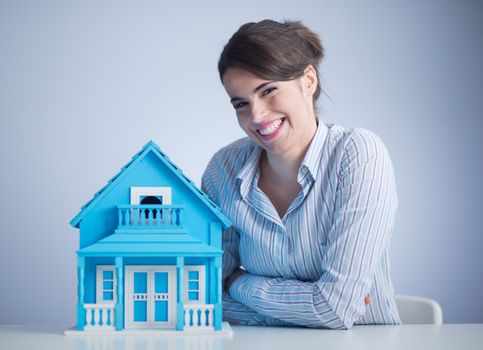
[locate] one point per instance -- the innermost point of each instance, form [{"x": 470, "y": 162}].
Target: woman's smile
[{"x": 270, "y": 130}]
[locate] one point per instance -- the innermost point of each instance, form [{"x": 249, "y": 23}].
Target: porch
[
  {"x": 196, "y": 317},
  {"x": 168, "y": 296}
]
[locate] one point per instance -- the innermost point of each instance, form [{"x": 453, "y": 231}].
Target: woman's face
[{"x": 278, "y": 115}]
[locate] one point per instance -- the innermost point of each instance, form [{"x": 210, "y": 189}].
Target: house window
[
  {"x": 105, "y": 284},
  {"x": 140, "y": 194},
  {"x": 158, "y": 200},
  {"x": 195, "y": 284}
]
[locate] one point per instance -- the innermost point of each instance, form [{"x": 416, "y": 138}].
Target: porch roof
[{"x": 149, "y": 244}]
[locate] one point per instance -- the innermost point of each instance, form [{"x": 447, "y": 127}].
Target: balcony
[{"x": 149, "y": 218}]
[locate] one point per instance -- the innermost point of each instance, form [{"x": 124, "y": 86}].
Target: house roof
[
  {"x": 154, "y": 148},
  {"x": 123, "y": 244}
]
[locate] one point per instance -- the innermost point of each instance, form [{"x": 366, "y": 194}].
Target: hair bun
[
  {"x": 311, "y": 39},
  {"x": 273, "y": 51}
]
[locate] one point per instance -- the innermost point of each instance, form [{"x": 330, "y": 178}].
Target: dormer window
[
  {"x": 151, "y": 200},
  {"x": 151, "y": 195}
]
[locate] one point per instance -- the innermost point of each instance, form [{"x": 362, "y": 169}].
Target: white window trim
[
  {"x": 128, "y": 303},
  {"x": 100, "y": 284},
  {"x": 201, "y": 284},
  {"x": 138, "y": 192}
]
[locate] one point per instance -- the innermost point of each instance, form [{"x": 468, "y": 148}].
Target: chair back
[{"x": 418, "y": 310}]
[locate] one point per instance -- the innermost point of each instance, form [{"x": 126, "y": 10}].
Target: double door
[{"x": 150, "y": 300}]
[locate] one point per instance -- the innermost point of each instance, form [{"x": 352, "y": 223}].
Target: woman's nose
[{"x": 258, "y": 111}]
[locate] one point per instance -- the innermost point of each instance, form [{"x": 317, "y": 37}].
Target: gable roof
[{"x": 148, "y": 148}]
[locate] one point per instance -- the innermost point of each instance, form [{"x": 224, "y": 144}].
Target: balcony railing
[
  {"x": 149, "y": 216},
  {"x": 99, "y": 317},
  {"x": 198, "y": 317}
]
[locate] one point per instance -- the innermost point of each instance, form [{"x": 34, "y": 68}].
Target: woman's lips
[{"x": 271, "y": 129}]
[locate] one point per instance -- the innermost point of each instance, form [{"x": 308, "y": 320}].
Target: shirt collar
[
  {"x": 249, "y": 169},
  {"x": 309, "y": 164},
  {"x": 311, "y": 160}
]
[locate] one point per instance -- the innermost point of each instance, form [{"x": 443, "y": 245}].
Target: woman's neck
[{"x": 284, "y": 167}]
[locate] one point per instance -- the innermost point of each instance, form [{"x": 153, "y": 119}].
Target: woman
[{"x": 312, "y": 205}]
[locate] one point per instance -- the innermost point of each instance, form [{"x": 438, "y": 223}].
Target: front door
[{"x": 150, "y": 300}]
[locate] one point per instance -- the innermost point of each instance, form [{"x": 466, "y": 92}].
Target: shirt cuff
[{"x": 245, "y": 287}]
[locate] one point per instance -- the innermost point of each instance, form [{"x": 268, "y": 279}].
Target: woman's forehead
[{"x": 238, "y": 80}]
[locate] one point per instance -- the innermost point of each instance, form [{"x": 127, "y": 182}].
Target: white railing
[
  {"x": 149, "y": 216},
  {"x": 198, "y": 317},
  {"x": 99, "y": 317}
]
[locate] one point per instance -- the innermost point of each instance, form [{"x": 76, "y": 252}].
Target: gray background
[{"x": 85, "y": 84}]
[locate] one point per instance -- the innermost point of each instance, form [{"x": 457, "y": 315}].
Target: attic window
[
  {"x": 151, "y": 195},
  {"x": 152, "y": 200}
]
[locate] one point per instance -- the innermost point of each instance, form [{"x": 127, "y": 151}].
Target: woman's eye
[
  {"x": 269, "y": 90},
  {"x": 239, "y": 105}
]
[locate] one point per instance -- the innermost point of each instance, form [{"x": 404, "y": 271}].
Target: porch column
[
  {"x": 119, "y": 308},
  {"x": 179, "y": 297},
  {"x": 218, "y": 302},
  {"x": 81, "y": 313}
]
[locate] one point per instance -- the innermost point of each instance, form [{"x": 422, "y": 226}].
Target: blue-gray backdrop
[{"x": 85, "y": 84}]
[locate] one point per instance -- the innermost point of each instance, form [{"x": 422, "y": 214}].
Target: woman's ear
[{"x": 309, "y": 80}]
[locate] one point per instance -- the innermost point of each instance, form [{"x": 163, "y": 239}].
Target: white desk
[{"x": 407, "y": 337}]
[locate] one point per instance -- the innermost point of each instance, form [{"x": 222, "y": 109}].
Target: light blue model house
[{"x": 150, "y": 251}]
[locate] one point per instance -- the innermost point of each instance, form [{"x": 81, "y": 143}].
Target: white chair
[{"x": 418, "y": 310}]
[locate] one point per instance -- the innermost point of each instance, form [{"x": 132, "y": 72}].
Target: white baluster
[
  {"x": 187, "y": 318},
  {"x": 88, "y": 317},
  {"x": 104, "y": 316},
  {"x": 96, "y": 317},
  {"x": 210, "y": 318},
  {"x": 202, "y": 317},
  {"x": 196, "y": 318}
]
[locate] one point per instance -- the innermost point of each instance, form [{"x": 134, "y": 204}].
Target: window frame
[
  {"x": 100, "y": 284},
  {"x": 201, "y": 284}
]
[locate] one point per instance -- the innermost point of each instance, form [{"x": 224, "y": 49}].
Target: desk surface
[{"x": 452, "y": 336}]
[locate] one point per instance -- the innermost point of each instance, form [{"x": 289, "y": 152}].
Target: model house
[{"x": 149, "y": 251}]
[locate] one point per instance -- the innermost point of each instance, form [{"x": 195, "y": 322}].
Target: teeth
[{"x": 271, "y": 128}]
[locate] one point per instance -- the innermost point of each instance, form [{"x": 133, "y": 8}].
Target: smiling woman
[{"x": 312, "y": 205}]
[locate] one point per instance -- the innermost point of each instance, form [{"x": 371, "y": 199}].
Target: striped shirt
[{"x": 314, "y": 266}]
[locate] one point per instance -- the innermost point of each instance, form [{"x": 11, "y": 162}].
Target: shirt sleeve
[
  {"x": 365, "y": 206},
  {"x": 230, "y": 237},
  {"x": 233, "y": 311},
  {"x": 239, "y": 314}
]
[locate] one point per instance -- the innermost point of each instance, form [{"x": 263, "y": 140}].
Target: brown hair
[{"x": 273, "y": 51}]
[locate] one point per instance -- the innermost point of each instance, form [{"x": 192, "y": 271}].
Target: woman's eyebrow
[{"x": 261, "y": 86}]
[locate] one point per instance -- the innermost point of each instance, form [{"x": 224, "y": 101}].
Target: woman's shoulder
[
  {"x": 356, "y": 147},
  {"x": 231, "y": 158},
  {"x": 245, "y": 145},
  {"x": 359, "y": 140}
]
